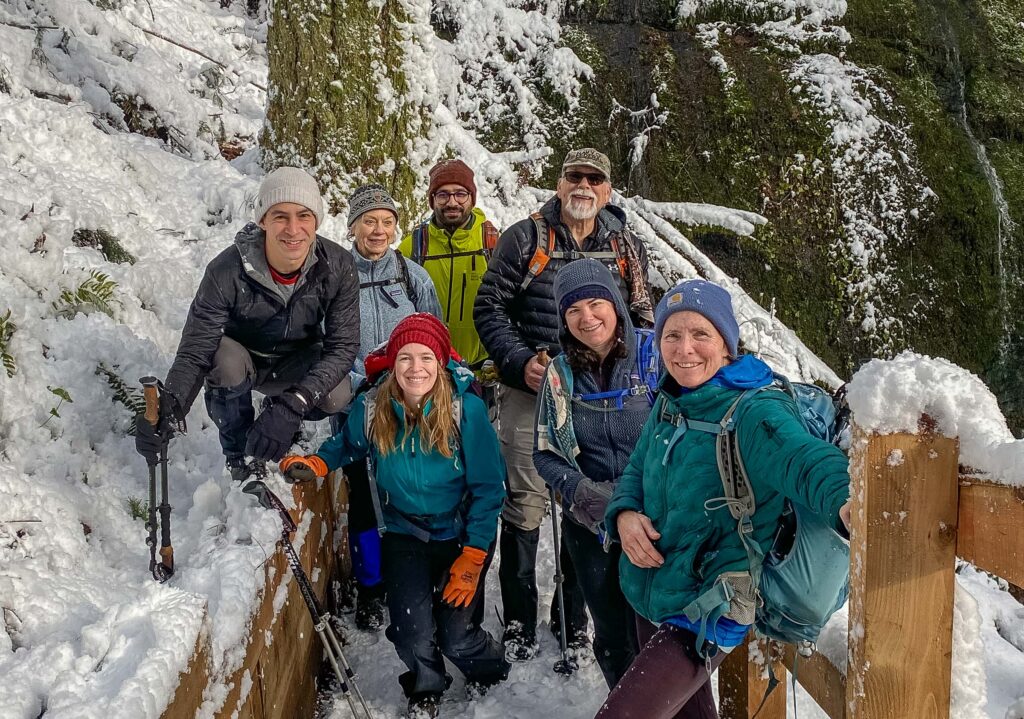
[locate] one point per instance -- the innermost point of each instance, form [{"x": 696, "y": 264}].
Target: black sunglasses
[{"x": 595, "y": 179}]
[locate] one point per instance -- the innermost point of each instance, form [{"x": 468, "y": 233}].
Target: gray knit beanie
[
  {"x": 369, "y": 197},
  {"x": 290, "y": 184}
]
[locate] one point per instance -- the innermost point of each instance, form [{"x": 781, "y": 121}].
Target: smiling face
[
  {"x": 593, "y": 322},
  {"x": 415, "y": 372},
  {"x": 452, "y": 205},
  {"x": 373, "y": 232},
  {"x": 582, "y": 200},
  {"x": 692, "y": 349},
  {"x": 290, "y": 229}
]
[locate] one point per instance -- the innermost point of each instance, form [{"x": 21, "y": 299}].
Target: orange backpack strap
[
  {"x": 620, "y": 256},
  {"x": 541, "y": 255}
]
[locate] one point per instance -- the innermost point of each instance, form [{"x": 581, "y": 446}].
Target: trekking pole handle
[
  {"x": 542, "y": 355},
  {"x": 152, "y": 397}
]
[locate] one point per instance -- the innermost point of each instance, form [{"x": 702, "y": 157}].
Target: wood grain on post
[
  {"x": 823, "y": 681},
  {"x": 743, "y": 680},
  {"x": 902, "y": 557}
]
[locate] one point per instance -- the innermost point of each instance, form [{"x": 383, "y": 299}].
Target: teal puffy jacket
[
  {"x": 428, "y": 485},
  {"x": 671, "y": 487}
]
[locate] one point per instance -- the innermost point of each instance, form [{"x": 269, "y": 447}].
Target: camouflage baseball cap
[{"x": 588, "y": 157}]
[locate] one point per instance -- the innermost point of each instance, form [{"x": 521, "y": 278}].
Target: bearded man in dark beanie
[{"x": 454, "y": 246}]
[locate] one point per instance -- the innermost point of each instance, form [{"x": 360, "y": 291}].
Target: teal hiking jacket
[
  {"x": 427, "y": 485},
  {"x": 670, "y": 483}
]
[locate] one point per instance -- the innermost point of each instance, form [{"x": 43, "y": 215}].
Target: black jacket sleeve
[
  {"x": 492, "y": 311},
  {"x": 204, "y": 327},
  {"x": 341, "y": 335}
]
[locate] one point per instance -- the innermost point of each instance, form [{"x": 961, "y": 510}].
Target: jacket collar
[{"x": 365, "y": 266}]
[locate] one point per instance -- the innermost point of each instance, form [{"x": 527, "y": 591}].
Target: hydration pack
[
  {"x": 645, "y": 378},
  {"x": 790, "y": 593}
]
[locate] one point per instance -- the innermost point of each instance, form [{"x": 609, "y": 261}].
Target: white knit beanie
[{"x": 290, "y": 184}]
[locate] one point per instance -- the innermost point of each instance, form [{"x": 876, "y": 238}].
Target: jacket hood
[
  {"x": 609, "y": 219},
  {"x": 744, "y": 372},
  {"x": 590, "y": 272}
]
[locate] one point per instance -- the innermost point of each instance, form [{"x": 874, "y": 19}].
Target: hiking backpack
[
  {"x": 421, "y": 238},
  {"x": 402, "y": 279},
  {"x": 545, "y": 252},
  {"x": 804, "y": 578}
]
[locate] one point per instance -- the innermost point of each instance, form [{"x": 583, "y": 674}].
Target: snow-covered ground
[{"x": 85, "y": 632}]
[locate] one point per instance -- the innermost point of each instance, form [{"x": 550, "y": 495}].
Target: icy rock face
[{"x": 877, "y": 209}]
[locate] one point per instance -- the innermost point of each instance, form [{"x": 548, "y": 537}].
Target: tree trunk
[{"x": 338, "y": 102}]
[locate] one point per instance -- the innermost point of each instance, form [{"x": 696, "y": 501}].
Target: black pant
[
  {"x": 517, "y": 576},
  {"x": 615, "y": 644},
  {"x": 423, "y": 627}
]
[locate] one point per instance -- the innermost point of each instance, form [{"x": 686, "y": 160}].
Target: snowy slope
[{"x": 106, "y": 126}]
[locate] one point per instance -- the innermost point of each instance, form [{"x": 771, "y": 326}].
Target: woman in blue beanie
[
  {"x": 677, "y": 547},
  {"x": 591, "y": 408}
]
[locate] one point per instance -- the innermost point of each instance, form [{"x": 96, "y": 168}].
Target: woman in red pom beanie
[{"x": 441, "y": 486}]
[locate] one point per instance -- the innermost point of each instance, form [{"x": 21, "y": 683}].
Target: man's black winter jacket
[
  {"x": 239, "y": 298},
  {"x": 512, "y": 322}
]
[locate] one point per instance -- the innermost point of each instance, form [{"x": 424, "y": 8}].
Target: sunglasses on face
[
  {"x": 443, "y": 197},
  {"x": 595, "y": 179}
]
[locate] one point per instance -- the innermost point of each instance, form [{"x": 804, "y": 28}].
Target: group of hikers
[{"x": 588, "y": 409}]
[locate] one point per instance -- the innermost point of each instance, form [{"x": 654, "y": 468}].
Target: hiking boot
[
  {"x": 578, "y": 640},
  {"x": 424, "y": 706},
  {"x": 520, "y": 644},
  {"x": 370, "y": 608}
]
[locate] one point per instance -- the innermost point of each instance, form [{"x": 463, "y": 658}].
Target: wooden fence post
[
  {"x": 902, "y": 557},
  {"x": 743, "y": 680}
]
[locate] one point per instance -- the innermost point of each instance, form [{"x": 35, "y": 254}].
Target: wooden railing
[
  {"x": 278, "y": 678},
  {"x": 914, "y": 512}
]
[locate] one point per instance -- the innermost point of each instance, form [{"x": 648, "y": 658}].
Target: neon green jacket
[{"x": 457, "y": 266}]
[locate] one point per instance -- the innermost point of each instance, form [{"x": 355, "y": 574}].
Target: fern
[
  {"x": 7, "y": 329},
  {"x": 96, "y": 293},
  {"x": 130, "y": 397}
]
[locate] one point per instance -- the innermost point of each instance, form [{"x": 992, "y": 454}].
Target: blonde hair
[{"x": 437, "y": 429}]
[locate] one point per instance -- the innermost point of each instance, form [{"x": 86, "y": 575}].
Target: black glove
[
  {"x": 150, "y": 439},
  {"x": 589, "y": 502},
  {"x": 271, "y": 435}
]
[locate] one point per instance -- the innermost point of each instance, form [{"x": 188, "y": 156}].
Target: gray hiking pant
[{"x": 527, "y": 500}]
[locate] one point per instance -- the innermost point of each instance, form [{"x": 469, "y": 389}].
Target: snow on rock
[{"x": 889, "y": 396}]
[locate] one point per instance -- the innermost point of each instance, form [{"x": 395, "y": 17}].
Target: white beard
[{"x": 581, "y": 213}]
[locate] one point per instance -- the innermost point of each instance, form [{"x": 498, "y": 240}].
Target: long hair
[
  {"x": 437, "y": 429},
  {"x": 583, "y": 359}
]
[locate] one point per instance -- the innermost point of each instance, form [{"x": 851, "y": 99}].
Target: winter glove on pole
[
  {"x": 589, "y": 502},
  {"x": 297, "y": 468},
  {"x": 154, "y": 432},
  {"x": 271, "y": 434},
  {"x": 465, "y": 574}
]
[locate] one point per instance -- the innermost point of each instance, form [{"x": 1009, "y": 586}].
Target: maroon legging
[{"x": 667, "y": 680}]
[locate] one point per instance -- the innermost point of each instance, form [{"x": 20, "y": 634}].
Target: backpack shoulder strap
[
  {"x": 490, "y": 239},
  {"x": 620, "y": 255},
  {"x": 542, "y": 253},
  {"x": 369, "y": 409},
  {"x": 420, "y": 238},
  {"x": 405, "y": 279}
]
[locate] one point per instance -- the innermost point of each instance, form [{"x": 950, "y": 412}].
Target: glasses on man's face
[
  {"x": 595, "y": 179},
  {"x": 459, "y": 196}
]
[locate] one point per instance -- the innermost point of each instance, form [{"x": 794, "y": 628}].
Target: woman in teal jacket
[
  {"x": 676, "y": 543},
  {"x": 441, "y": 485}
]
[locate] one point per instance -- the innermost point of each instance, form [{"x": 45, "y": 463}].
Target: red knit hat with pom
[{"x": 425, "y": 329}]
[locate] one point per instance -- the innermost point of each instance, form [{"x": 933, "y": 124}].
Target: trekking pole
[
  {"x": 565, "y": 665},
  {"x": 163, "y": 569},
  {"x": 321, "y": 619}
]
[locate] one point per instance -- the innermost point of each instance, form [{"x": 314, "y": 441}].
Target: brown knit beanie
[{"x": 451, "y": 172}]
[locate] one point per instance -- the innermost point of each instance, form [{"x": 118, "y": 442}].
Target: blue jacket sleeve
[
  {"x": 350, "y": 444},
  {"x": 629, "y": 491},
  {"x": 800, "y": 466},
  {"x": 426, "y": 293},
  {"x": 485, "y": 473}
]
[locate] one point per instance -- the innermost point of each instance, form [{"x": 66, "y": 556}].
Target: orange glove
[
  {"x": 465, "y": 574},
  {"x": 297, "y": 468}
]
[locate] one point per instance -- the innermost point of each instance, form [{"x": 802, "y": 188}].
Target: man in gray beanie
[{"x": 276, "y": 312}]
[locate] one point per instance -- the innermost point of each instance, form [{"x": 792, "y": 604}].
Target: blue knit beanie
[{"x": 706, "y": 299}]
